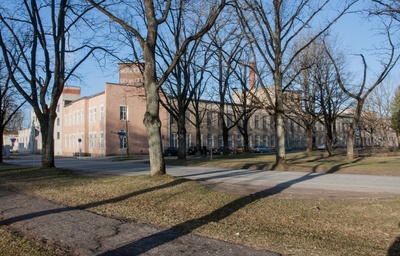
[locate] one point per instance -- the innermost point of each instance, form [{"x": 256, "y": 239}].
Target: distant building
[{"x": 111, "y": 122}]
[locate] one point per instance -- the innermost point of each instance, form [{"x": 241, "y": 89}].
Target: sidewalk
[{"x": 84, "y": 233}]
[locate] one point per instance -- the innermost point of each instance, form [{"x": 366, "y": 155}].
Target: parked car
[
  {"x": 322, "y": 147},
  {"x": 220, "y": 150},
  {"x": 192, "y": 150},
  {"x": 287, "y": 148},
  {"x": 260, "y": 149},
  {"x": 171, "y": 151}
]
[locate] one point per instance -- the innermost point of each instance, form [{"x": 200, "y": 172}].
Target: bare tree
[
  {"x": 144, "y": 23},
  {"x": 395, "y": 117},
  {"x": 360, "y": 93},
  {"x": 10, "y": 107},
  {"x": 272, "y": 27},
  {"x": 179, "y": 88},
  {"x": 378, "y": 112},
  {"x": 43, "y": 44}
]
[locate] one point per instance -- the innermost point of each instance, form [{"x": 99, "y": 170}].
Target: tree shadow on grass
[
  {"x": 163, "y": 237},
  {"x": 90, "y": 205}
]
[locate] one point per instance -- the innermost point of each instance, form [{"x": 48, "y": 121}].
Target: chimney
[{"x": 252, "y": 75}]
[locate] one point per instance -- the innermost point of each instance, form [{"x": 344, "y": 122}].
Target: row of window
[
  {"x": 77, "y": 117},
  {"x": 76, "y": 141}
]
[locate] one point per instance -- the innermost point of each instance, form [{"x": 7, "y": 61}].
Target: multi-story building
[{"x": 111, "y": 122}]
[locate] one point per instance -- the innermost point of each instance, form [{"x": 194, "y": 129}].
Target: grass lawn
[{"x": 306, "y": 226}]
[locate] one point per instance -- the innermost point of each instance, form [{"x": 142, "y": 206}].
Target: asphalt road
[{"x": 252, "y": 181}]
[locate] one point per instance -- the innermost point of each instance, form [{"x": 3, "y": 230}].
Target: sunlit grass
[{"x": 315, "y": 226}]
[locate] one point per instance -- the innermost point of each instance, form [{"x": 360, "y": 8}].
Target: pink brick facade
[{"x": 91, "y": 124}]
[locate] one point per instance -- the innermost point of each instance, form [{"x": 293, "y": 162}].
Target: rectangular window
[
  {"x": 81, "y": 116},
  {"x": 257, "y": 140},
  {"x": 230, "y": 141},
  {"x": 272, "y": 141},
  {"x": 91, "y": 141},
  {"x": 122, "y": 143},
  {"x": 101, "y": 112},
  {"x": 265, "y": 140},
  {"x": 220, "y": 141},
  {"x": 239, "y": 140},
  {"x": 90, "y": 115},
  {"x": 229, "y": 120},
  {"x": 122, "y": 113},
  {"x": 174, "y": 142},
  {"x": 78, "y": 118},
  {"x": 209, "y": 118},
  {"x": 256, "y": 121},
  {"x": 101, "y": 140},
  {"x": 94, "y": 114},
  {"x": 188, "y": 141},
  {"x": 94, "y": 140},
  {"x": 210, "y": 141},
  {"x": 264, "y": 122},
  {"x": 58, "y": 121},
  {"x": 58, "y": 135}
]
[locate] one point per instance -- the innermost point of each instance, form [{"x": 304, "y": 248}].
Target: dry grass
[
  {"x": 375, "y": 163},
  {"x": 12, "y": 244},
  {"x": 291, "y": 226}
]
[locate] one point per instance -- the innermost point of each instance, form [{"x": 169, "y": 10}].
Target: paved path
[
  {"x": 85, "y": 233},
  {"x": 256, "y": 179}
]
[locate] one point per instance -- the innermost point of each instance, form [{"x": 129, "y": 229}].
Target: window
[
  {"x": 209, "y": 118},
  {"x": 220, "y": 141},
  {"x": 122, "y": 143},
  {"x": 188, "y": 140},
  {"x": 101, "y": 112},
  {"x": 230, "y": 141},
  {"x": 122, "y": 113},
  {"x": 264, "y": 122},
  {"x": 265, "y": 140},
  {"x": 90, "y": 140},
  {"x": 58, "y": 121},
  {"x": 239, "y": 140},
  {"x": 94, "y": 114},
  {"x": 58, "y": 108},
  {"x": 78, "y": 118},
  {"x": 229, "y": 120},
  {"x": 101, "y": 145},
  {"x": 81, "y": 116},
  {"x": 174, "y": 141},
  {"x": 94, "y": 140},
  {"x": 272, "y": 141},
  {"x": 58, "y": 135},
  {"x": 209, "y": 141},
  {"x": 256, "y": 121},
  {"x": 257, "y": 140},
  {"x": 90, "y": 115}
]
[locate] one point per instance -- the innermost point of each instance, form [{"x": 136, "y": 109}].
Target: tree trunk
[
  {"x": 47, "y": 132},
  {"x": 181, "y": 136},
  {"x": 1, "y": 143},
  {"x": 153, "y": 127},
  {"x": 309, "y": 136},
  {"x": 350, "y": 144},
  {"x": 279, "y": 122}
]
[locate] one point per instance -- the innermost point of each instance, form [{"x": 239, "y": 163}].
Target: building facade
[{"x": 111, "y": 123}]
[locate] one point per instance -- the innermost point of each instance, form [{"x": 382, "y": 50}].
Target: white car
[{"x": 322, "y": 147}]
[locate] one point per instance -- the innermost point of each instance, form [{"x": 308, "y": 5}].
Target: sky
[{"x": 354, "y": 32}]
